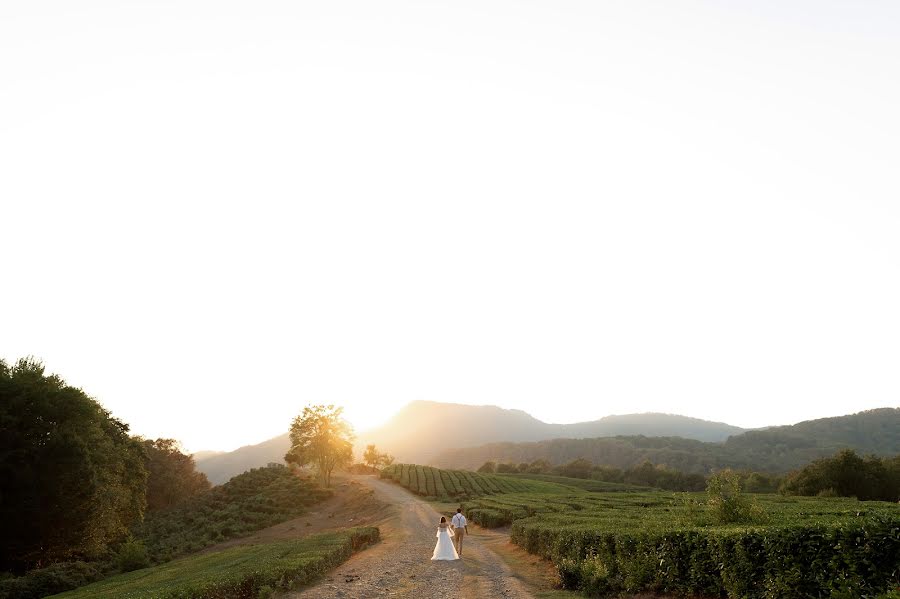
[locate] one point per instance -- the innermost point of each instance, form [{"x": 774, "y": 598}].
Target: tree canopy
[
  {"x": 172, "y": 475},
  {"x": 320, "y": 437},
  {"x": 71, "y": 478},
  {"x": 847, "y": 474},
  {"x": 376, "y": 459}
]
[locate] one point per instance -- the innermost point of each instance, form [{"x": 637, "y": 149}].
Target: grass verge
[{"x": 245, "y": 572}]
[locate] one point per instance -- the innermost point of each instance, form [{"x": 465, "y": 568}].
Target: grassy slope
[
  {"x": 251, "y": 501},
  {"x": 236, "y": 572},
  {"x": 606, "y": 543},
  {"x": 593, "y": 486},
  {"x": 463, "y": 484}
]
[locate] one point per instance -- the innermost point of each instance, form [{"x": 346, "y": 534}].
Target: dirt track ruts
[{"x": 400, "y": 565}]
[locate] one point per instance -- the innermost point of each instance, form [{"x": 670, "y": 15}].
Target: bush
[
  {"x": 250, "y": 501},
  {"x": 49, "y": 581},
  {"x": 810, "y": 548},
  {"x": 248, "y": 571},
  {"x": 848, "y": 475},
  {"x": 132, "y": 555},
  {"x": 727, "y": 504}
]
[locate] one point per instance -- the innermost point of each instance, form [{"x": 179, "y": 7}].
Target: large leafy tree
[
  {"x": 173, "y": 476},
  {"x": 320, "y": 437},
  {"x": 71, "y": 478}
]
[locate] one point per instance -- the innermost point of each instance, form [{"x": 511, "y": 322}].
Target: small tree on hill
[
  {"x": 370, "y": 456},
  {"x": 375, "y": 459},
  {"x": 488, "y": 467},
  {"x": 322, "y": 438},
  {"x": 577, "y": 468}
]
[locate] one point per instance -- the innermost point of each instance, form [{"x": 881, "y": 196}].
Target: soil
[
  {"x": 353, "y": 504},
  {"x": 400, "y": 565}
]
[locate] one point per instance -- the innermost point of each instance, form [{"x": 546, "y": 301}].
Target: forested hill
[
  {"x": 419, "y": 432},
  {"x": 872, "y": 431},
  {"x": 778, "y": 449},
  {"x": 220, "y": 467}
]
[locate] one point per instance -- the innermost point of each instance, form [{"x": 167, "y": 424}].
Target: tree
[
  {"x": 370, "y": 456},
  {"x": 72, "y": 480},
  {"x": 375, "y": 459},
  {"x": 539, "y": 466},
  {"x": 726, "y": 502},
  {"x": 847, "y": 474},
  {"x": 577, "y": 468},
  {"x": 506, "y": 468},
  {"x": 322, "y": 438},
  {"x": 172, "y": 475},
  {"x": 488, "y": 467}
]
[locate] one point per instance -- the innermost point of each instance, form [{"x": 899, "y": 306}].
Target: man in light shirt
[{"x": 460, "y": 529}]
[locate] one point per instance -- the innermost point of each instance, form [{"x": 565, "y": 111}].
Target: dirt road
[{"x": 401, "y": 566}]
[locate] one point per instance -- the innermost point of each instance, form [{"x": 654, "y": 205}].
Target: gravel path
[{"x": 400, "y": 565}]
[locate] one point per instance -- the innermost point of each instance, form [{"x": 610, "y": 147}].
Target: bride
[{"x": 444, "y": 548}]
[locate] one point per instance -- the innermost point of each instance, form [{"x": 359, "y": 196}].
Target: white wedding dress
[{"x": 444, "y": 550}]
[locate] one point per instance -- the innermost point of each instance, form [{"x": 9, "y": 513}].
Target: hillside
[
  {"x": 222, "y": 466},
  {"x": 419, "y": 433},
  {"x": 778, "y": 449}
]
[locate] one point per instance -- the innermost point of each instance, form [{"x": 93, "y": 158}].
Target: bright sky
[{"x": 214, "y": 212}]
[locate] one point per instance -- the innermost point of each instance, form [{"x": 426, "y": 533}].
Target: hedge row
[
  {"x": 461, "y": 484},
  {"x": 245, "y": 572},
  {"x": 853, "y": 558}
]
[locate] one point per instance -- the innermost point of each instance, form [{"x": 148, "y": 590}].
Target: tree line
[
  {"x": 845, "y": 474},
  {"x": 74, "y": 482},
  {"x": 72, "y": 479}
]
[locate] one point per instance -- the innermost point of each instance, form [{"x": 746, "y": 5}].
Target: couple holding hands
[{"x": 450, "y": 537}]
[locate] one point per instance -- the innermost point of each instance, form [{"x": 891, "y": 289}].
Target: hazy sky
[{"x": 216, "y": 212}]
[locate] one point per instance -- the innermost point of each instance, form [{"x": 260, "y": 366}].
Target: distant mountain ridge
[
  {"x": 776, "y": 449},
  {"x": 423, "y": 429},
  {"x": 423, "y": 432},
  {"x": 220, "y": 467}
]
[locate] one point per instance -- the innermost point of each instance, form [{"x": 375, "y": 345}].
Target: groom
[{"x": 460, "y": 529}]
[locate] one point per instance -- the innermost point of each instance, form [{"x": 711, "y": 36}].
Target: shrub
[
  {"x": 247, "y": 571},
  {"x": 848, "y": 475},
  {"x": 250, "y": 501},
  {"x": 810, "y": 548},
  {"x": 726, "y": 503},
  {"x": 49, "y": 581},
  {"x": 132, "y": 555}
]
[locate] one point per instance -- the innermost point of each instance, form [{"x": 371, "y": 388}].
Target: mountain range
[
  {"x": 423, "y": 429},
  {"x": 459, "y": 435},
  {"x": 774, "y": 450}
]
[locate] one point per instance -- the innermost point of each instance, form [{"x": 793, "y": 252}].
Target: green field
[
  {"x": 239, "y": 572},
  {"x": 585, "y": 484},
  {"x": 461, "y": 484},
  {"x": 256, "y": 499},
  {"x": 608, "y": 543}
]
